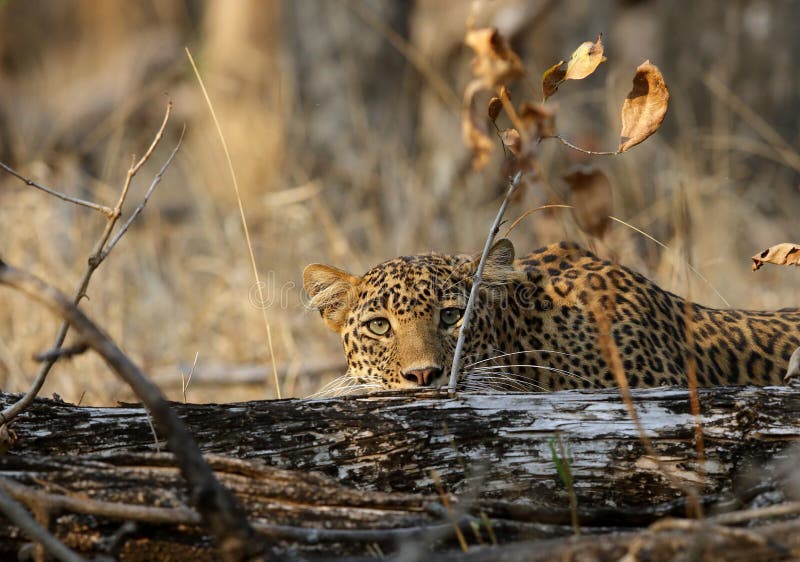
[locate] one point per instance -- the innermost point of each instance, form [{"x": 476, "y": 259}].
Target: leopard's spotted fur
[{"x": 535, "y": 325}]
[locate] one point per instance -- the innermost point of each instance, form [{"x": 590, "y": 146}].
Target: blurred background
[{"x": 343, "y": 121}]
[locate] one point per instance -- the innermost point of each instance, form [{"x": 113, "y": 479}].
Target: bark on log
[{"x": 334, "y": 476}]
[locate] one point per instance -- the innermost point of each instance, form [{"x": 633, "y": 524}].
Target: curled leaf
[
  {"x": 585, "y": 60},
  {"x": 539, "y": 121},
  {"x": 591, "y": 197},
  {"x": 780, "y": 254},
  {"x": 495, "y": 106},
  {"x": 512, "y": 141},
  {"x": 473, "y": 128},
  {"x": 495, "y": 64},
  {"x": 552, "y": 78},
  {"x": 645, "y": 107}
]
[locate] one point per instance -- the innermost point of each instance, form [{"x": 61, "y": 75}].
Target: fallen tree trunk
[{"x": 334, "y": 476}]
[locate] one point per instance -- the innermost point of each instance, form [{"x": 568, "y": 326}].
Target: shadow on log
[{"x": 357, "y": 476}]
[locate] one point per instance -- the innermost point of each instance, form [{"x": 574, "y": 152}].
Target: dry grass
[{"x": 84, "y": 91}]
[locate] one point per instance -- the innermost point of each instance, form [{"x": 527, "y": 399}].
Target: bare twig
[
  {"x": 259, "y": 285},
  {"x": 107, "y": 211},
  {"x": 140, "y": 207},
  {"x": 473, "y": 295},
  {"x": 99, "y": 253},
  {"x": 565, "y": 142},
  {"x": 25, "y": 521},
  {"x": 61, "y": 353},
  {"x": 219, "y": 509}
]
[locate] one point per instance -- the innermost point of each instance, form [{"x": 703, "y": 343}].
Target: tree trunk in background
[
  {"x": 381, "y": 456},
  {"x": 356, "y": 100}
]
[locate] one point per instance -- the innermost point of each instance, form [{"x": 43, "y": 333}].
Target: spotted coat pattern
[{"x": 536, "y": 325}]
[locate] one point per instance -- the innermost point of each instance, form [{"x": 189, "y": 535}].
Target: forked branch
[
  {"x": 219, "y": 509},
  {"x": 99, "y": 253}
]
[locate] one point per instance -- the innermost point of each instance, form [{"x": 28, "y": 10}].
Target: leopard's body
[{"x": 536, "y": 324}]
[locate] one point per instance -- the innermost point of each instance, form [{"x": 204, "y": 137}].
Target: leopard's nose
[{"x": 423, "y": 377}]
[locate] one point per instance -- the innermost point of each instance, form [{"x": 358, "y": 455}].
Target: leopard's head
[{"x": 400, "y": 321}]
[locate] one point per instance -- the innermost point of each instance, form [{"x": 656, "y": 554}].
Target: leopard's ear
[
  {"x": 331, "y": 291},
  {"x": 499, "y": 267}
]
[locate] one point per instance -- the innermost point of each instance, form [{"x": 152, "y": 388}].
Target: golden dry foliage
[
  {"x": 552, "y": 79},
  {"x": 590, "y": 196},
  {"x": 780, "y": 254},
  {"x": 585, "y": 60},
  {"x": 495, "y": 66},
  {"x": 645, "y": 107}
]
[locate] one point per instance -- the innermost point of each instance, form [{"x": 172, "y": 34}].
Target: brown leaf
[
  {"x": 645, "y": 107},
  {"x": 512, "y": 141},
  {"x": 495, "y": 105},
  {"x": 473, "y": 128},
  {"x": 780, "y": 254},
  {"x": 495, "y": 64},
  {"x": 585, "y": 60},
  {"x": 591, "y": 197},
  {"x": 539, "y": 121},
  {"x": 552, "y": 77}
]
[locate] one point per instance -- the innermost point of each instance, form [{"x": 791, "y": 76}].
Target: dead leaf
[
  {"x": 552, "y": 78},
  {"x": 591, "y": 197},
  {"x": 585, "y": 60},
  {"x": 473, "y": 128},
  {"x": 495, "y": 64},
  {"x": 512, "y": 141},
  {"x": 645, "y": 107},
  {"x": 539, "y": 121},
  {"x": 495, "y": 106},
  {"x": 780, "y": 254}
]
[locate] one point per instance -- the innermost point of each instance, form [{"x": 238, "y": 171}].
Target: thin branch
[
  {"x": 25, "y": 521},
  {"x": 99, "y": 253},
  {"x": 220, "y": 511},
  {"x": 139, "y": 208},
  {"x": 61, "y": 353},
  {"x": 512, "y": 187},
  {"x": 565, "y": 142},
  {"x": 107, "y": 211},
  {"x": 259, "y": 285}
]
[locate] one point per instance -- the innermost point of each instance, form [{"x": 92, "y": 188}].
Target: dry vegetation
[{"x": 350, "y": 152}]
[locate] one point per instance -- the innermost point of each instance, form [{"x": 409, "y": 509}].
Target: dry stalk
[
  {"x": 450, "y": 513},
  {"x": 256, "y": 275},
  {"x": 473, "y": 295},
  {"x": 220, "y": 511},
  {"x": 611, "y": 355}
]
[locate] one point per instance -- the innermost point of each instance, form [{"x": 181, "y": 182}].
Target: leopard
[{"x": 538, "y": 325}]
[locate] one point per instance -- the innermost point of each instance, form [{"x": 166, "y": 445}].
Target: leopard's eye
[
  {"x": 379, "y": 326},
  {"x": 450, "y": 316}
]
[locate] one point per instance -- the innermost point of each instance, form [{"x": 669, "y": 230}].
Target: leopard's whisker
[
  {"x": 500, "y": 382},
  {"x": 519, "y": 353},
  {"x": 545, "y": 367}
]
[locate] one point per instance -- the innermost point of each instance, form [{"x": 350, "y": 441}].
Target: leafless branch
[
  {"x": 565, "y": 142},
  {"x": 220, "y": 511},
  {"x": 512, "y": 187},
  {"x": 107, "y": 211},
  {"x": 99, "y": 253},
  {"x": 25, "y": 521},
  {"x": 61, "y": 353}
]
